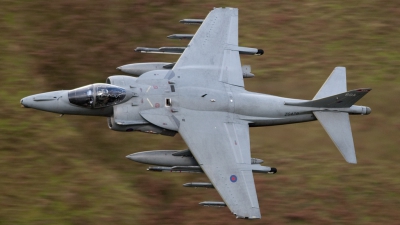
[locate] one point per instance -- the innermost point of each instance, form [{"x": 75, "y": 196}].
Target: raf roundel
[{"x": 233, "y": 178}]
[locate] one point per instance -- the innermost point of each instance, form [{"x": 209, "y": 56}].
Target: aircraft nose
[{"x": 44, "y": 101}]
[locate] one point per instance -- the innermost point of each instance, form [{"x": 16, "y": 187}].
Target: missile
[
  {"x": 180, "y": 50},
  {"x": 162, "y": 50},
  {"x": 199, "y": 184},
  {"x": 191, "y": 21},
  {"x": 145, "y": 49},
  {"x": 180, "y": 36},
  {"x": 197, "y": 169},
  {"x": 176, "y": 169},
  {"x": 213, "y": 204},
  {"x": 248, "y": 51},
  {"x": 273, "y": 170}
]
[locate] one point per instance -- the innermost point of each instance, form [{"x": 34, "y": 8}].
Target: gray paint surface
[{"x": 204, "y": 99}]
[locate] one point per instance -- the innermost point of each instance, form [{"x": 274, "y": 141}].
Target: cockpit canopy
[{"x": 97, "y": 96}]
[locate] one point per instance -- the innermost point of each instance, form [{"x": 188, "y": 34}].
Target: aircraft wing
[
  {"x": 219, "y": 142},
  {"x": 213, "y": 52},
  {"x": 222, "y": 149}
]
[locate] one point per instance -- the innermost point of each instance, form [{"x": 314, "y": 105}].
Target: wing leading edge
[
  {"x": 222, "y": 149},
  {"x": 214, "y": 50}
]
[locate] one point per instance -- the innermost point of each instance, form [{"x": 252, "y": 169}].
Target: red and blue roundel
[{"x": 233, "y": 178}]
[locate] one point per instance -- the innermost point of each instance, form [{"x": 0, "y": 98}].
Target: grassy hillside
[{"x": 72, "y": 170}]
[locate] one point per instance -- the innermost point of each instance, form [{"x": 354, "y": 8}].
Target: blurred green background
[{"x": 73, "y": 170}]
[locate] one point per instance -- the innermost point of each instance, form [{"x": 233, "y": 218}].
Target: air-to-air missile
[
  {"x": 137, "y": 69},
  {"x": 180, "y": 36},
  {"x": 213, "y": 204},
  {"x": 180, "y": 50},
  {"x": 191, "y": 21},
  {"x": 199, "y": 184}
]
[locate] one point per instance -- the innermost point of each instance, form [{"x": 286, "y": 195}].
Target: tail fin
[
  {"x": 334, "y": 95},
  {"x": 335, "y": 84}
]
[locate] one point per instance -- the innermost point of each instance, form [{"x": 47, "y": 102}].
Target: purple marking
[{"x": 233, "y": 178}]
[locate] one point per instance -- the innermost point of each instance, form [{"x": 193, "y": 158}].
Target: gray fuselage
[{"x": 157, "y": 95}]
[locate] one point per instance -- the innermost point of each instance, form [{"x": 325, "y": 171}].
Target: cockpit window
[{"x": 96, "y": 95}]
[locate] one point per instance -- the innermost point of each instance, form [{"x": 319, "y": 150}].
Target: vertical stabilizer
[
  {"x": 337, "y": 125},
  {"x": 335, "y": 84}
]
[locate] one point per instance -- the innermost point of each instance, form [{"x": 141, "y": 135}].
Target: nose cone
[
  {"x": 137, "y": 157},
  {"x": 368, "y": 110},
  {"x": 46, "y": 101},
  {"x": 30, "y": 101},
  {"x": 149, "y": 157},
  {"x": 128, "y": 69}
]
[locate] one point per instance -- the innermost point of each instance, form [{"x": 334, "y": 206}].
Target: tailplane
[
  {"x": 337, "y": 125},
  {"x": 332, "y": 105}
]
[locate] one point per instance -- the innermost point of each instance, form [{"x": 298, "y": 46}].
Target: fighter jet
[{"x": 202, "y": 97}]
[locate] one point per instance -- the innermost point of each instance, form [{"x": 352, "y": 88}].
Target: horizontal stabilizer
[
  {"x": 337, "y": 125},
  {"x": 343, "y": 100}
]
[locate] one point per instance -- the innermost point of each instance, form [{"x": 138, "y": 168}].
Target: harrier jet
[{"x": 202, "y": 97}]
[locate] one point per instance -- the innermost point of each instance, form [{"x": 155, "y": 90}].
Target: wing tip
[{"x": 351, "y": 160}]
